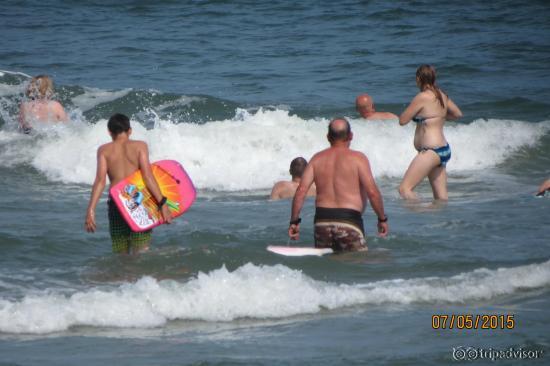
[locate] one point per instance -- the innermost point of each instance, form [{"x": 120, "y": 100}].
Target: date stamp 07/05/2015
[{"x": 473, "y": 321}]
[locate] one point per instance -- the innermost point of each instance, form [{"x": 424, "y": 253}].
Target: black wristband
[
  {"x": 385, "y": 219},
  {"x": 162, "y": 202},
  {"x": 296, "y": 222}
]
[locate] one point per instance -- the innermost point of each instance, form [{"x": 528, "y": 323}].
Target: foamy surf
[
  {"x": 253, "y": 150},
  {"x": 261, "y": 292},
  {"x": 92, "y": 97}
]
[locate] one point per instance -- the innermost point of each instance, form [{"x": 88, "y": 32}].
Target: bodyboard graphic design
[{"x": 140, "y": 209}]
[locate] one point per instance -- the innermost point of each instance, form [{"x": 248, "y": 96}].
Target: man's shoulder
[
  {"x": 381, "y": 115},
  {"x": 280, "y": 190},
  {"x": 320, "y": 154},
  {"x": 388, "y": 115},
  {"x": 281, "y": 184},
  {"x": 278, "y": 184},
  {"x": 358, "y": 155}
]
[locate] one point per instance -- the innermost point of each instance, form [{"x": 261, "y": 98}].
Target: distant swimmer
[
  {"x": 429, "y": 109},
  {"x": 365, "y": 107},
  {"x": 286, "y": 189},
  {"x": 544, "y": 188},
  {"x": 39, "y": 107},
  {"x": 344, "y": 182},
  {"x": 119, "y": 159}
]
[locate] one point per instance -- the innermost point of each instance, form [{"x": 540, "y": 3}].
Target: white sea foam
[
  {"x": 180, "y": 102},
  {"x": 93, "y": 97},
  {"x": 2, "y": 72},
  {"x": 9, "y": 90},
  {"x": 260, "y": 292},
  {"x": 253, "y": 150}
]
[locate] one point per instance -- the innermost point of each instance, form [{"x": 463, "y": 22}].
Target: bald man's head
[
  {"x": 339, "y": 130},
  {"x": 363, "y": 104}
]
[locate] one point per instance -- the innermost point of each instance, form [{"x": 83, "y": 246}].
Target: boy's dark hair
[
  {"x": 118, "y": 123},
  {"x": 297, "y": 167}
]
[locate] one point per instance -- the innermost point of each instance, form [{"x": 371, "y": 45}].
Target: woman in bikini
[{"x": 429, "y": 109}]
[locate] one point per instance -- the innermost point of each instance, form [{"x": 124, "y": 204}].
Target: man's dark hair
[
  {"x": 297, "y": 167},
  {"x": 118, "y": 123},
  {"x": 339, "y": 134}
]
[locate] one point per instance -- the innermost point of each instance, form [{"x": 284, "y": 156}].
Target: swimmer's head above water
[
  {"x": 297, "y": 167},
  {"x": 40, "y": 87},
  {"x": 364, "y": 105}
]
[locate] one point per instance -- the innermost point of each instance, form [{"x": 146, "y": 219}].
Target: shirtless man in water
[
  {"x": 39, "y": 107},
  {"x": 286, "y": 189},
  {"x": 365, "y": 107},
  {"x": 119, "y": 159},
  {"x": 344, "y": 182}
]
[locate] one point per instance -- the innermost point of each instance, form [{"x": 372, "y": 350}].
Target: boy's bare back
[{"x": 122, "y": 158}]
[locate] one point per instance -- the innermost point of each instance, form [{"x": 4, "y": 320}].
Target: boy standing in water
[{"x": 118, "y": 159}]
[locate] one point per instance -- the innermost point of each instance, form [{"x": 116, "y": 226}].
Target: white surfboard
[{"x": 298, "y": 251}]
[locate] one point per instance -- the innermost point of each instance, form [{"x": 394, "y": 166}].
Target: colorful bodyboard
[{"x": 140, "y": 209}]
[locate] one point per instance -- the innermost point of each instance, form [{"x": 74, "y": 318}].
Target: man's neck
[
  {"x": 340, "y": 144},
  {"x": 369, "y": 113},
  {"x": 121, "y": 137}
]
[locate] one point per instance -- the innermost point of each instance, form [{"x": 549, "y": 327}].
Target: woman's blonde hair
[{"x": 40, "y": 87}]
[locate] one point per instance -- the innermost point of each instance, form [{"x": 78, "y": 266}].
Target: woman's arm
[
  {"x": 453, "y": 112},
  {"x": 412, "y": 110}
]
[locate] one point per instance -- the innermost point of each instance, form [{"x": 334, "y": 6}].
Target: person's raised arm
[
  {"x": 151, "y": 182},
  {"x": 298, "y": 201},
  {"x": 368, "y": 185},
  {"x": 453, "y": 112},
  {"x": 97, "y": 190},
  {"x": 411, "y": 111}
]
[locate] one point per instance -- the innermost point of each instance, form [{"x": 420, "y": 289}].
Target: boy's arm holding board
[{"x": 151, "y": 182}]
